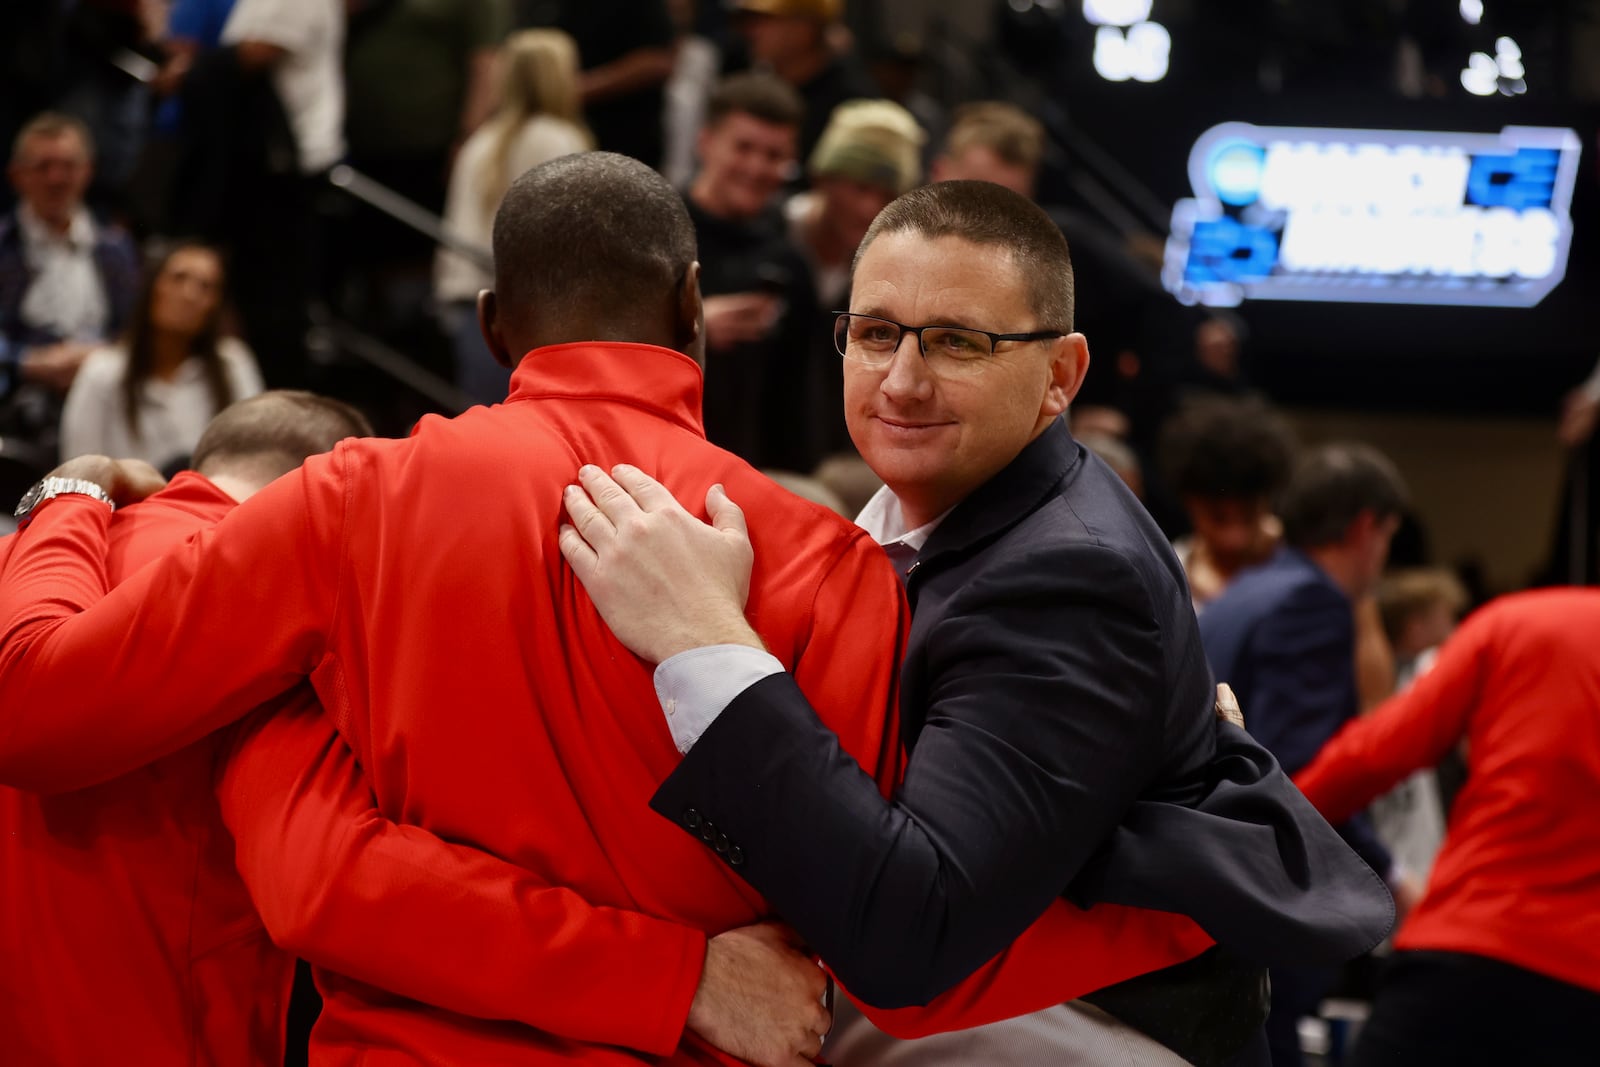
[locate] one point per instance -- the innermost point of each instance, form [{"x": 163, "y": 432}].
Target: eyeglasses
[{"x": 874, "y": 341}]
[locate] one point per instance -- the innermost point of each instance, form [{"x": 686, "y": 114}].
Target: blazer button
[
  {"x": 708, "y": 832},
  {"x": 722, "y": 844},
  {"x": 736, "y": 856},
  {"x": 692, "y": 819}
]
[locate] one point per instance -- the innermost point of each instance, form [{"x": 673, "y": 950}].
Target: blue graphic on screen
[
  {"x": 1374, "y": 216},
  {"x": 1235, "y": 172},
  {"x": 1225, "y": 250},
  {"x": 1521, "y": 179}
]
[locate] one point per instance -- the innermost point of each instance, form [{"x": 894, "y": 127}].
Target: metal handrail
[
  {"x": 442, "y": 393},
  {"x": 407, "y": 212}
]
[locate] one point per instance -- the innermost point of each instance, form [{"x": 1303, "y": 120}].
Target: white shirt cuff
[{"x": 696, "y": 686}]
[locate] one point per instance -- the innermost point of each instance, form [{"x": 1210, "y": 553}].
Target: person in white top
[
  {"x": 302, "y": 43},
  {"x": 150, "y": 396},
  {"x": 537, "y": 120}
]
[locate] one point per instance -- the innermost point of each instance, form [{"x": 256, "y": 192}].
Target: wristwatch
[{"x": 53, "y": 487}]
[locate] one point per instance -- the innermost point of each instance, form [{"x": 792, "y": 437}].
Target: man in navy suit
[
  {"x": 1055, "y": 697},
  {"x": 1283, "y": 636}
]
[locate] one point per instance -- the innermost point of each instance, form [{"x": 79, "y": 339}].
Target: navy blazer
[
  {"x": 1059, "y": 712},
  {"x": 1283, "y": 636}
]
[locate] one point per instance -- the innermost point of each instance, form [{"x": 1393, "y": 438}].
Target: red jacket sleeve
[
  {"x": 1406, "y": 732},
  {"x": 395, "y": 907},
  {"x": 86, "y": 686},
  {"x": 1067, "y": 952}
]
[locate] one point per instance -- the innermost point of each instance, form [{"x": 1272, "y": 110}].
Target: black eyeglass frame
[{"x": 841, "y": 318}]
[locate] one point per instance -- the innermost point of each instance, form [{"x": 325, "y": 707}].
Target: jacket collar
[
  {"x": 1009, "y": 496},
  {"x": 663, "y": 382}
]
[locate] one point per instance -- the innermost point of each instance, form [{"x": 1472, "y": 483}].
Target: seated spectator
[
  {"x": 67, "y": 281},
  {"x": 538, "y": 118},
  {"x": 797, "y": 40},
  {"x": 765, "y": 336},
  {"x": 1228, "y": 461},
  {"x": 151, "y": 395}
]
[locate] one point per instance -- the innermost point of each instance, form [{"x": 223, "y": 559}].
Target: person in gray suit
[{"x": 1055, "y": 697}]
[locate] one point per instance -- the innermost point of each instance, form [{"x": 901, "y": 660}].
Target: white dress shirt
[
  {"x": 695, "y": 687},
  {"x": 66, "y": 296},
  {"x": 172, "y": 413}
]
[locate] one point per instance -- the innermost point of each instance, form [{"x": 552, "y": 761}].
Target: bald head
[
  {"x": 593, "y": 246},
  {"x": 257, "y": 440}
]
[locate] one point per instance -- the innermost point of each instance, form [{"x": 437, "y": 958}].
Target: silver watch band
[{"x": 54, "y": 487}]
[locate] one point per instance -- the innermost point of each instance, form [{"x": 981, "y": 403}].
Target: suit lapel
[{"x": 1000, "y": 503}]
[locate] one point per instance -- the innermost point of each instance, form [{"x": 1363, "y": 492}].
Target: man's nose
[{"x": 908, "y": 375}]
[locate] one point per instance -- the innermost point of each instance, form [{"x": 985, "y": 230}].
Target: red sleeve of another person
[
  {"x": 1406, "y": 732},
  {"x": 93, "y": 684},
  {"x": 398, "y": 908},
  {"x": 1067, "y": 952}
]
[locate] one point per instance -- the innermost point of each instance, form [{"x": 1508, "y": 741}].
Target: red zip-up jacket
[
  {"x": 419, "y": 585},
  {"x": 1518, "y": 878},
  {"x": 128, "y": 936}
]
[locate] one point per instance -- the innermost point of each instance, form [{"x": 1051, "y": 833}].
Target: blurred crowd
[{"x": 173, "y": 244}]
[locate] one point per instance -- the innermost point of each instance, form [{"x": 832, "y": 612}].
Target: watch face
[{"x": 29, "y": 499}]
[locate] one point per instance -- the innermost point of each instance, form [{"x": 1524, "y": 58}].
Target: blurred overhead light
[
  {"x": 1141, "y": 53},
  {"x": 1472, "y": 11},
  {"x": 1115, "y": 12}
]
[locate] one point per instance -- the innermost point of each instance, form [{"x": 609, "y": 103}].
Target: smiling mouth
[{"x": 898, "y": 424}]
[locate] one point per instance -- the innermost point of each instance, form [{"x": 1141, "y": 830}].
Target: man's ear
[
  {"x": 489, "y": 326},
  {"x": 1069, "y": 364},
  {"x": 1362, "y": 528},
  {"x": 691, "y": 312}
]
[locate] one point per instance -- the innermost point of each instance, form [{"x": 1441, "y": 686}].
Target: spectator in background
[
  {"x": 870, "y": 153},
  {"x": 1228, "y": 460},
  {"x": 67, "y": 281},
  {"x": 537, "y": 119},
  {"x": 992, "y": 141},
  {"x": 1418, "y": 609},
  {"x": 626, "y": 49},
  {"x": 1283, "y": 636},
  {"x": 799, "y": 41},
  {"x": 263, "y": 121},
  {"x": 763, "y": 326},
  {"x": 1500, "y": 962},
  {"x": 151, "y": 395},
  {"x": 419, "y": 79}
]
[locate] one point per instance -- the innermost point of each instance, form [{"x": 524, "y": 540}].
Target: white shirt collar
[
  {"x": 36, "y": 232},
  {"x": 886, "y": 522}
]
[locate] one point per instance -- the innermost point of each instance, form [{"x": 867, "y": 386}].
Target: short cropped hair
[
  {"x": 274, "y": 432},
  {"x": 989, "y": 214},
  {"x": 1217, "y": 447},
  {"x": 762, "y": 96},
  {"x": 1013, "y": 135},
  {"x": 1333, "y": 485},
  {"x": 51, "y": 124},
  {"x": 591, "y": 233},
  {"x": 1406, "y": 594}
]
